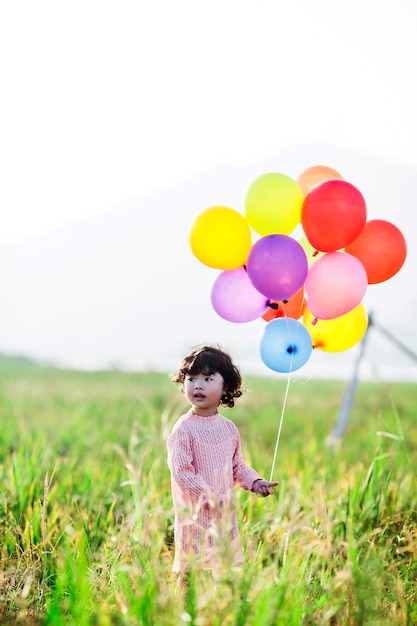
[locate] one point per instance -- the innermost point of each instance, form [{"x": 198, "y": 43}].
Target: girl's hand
[{"x": 263, "y": 487}]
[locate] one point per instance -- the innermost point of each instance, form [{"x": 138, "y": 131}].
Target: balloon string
[{"x": 280, "y": 428}]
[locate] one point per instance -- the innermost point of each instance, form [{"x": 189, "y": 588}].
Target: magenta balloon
[
  {"x": 235, "y": 298},
  {"x": 277, "y": 266},
  {"x": 335, "y": 284}
]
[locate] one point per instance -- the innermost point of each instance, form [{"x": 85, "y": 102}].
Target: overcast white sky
[
  {"x": 110, "y": 105},
  {"x": 103, "y": 102}
]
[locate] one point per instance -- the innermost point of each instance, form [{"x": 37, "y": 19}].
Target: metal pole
[
  {"x": 346, "y": 406},
  {"x": 345, "y": 409},
  {"x": 395, "y": 341}
]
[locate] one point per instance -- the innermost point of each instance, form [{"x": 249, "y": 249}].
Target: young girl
[{"x": 205, "y": 460}]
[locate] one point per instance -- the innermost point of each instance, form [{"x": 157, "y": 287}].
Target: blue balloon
[{"x": 284, "y": 345}]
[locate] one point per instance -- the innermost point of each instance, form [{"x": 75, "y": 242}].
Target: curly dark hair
[{"x": 209, "y": 360}]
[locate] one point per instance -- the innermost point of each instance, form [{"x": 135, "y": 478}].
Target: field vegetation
[{"x": 86, "y": 514}]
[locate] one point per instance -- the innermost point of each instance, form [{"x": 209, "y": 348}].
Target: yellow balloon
[
  {"x": 273, "y": 204},
  {"x": 220, "y": 237},
  {"x": 340, "y": 333}
]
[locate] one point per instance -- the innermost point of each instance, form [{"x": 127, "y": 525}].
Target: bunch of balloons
[{"x": 308, "y": 290}]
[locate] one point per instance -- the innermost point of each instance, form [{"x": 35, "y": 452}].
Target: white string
[
  {"x": 280, "y": 427},
  {"x": 313, "y": 364},
  {"x": 284, "y": 404}
]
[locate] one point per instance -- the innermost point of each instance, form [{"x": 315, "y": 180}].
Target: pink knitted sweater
[{"x": 205, "y": 459}]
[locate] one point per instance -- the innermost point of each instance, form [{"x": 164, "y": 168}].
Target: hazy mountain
[{"x": 123, "y": 289}]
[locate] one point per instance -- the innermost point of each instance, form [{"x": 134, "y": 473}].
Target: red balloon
[
  {"x": 293, "y": 307},
  {"x": 333, "y": 215},
  {"x": 381, "y": 248}
]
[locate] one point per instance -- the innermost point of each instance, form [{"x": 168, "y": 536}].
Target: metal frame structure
[{"x": 346, "y": 405}]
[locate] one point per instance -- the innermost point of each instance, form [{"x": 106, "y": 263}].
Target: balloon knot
[
  {"x": 314, "y": 322},
  {"x": 285, "y": 301},
  {"x": 315, "y": 253},
  {"x": 273, "y": 305}
]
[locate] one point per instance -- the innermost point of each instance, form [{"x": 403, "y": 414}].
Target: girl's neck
[{"x": 204, "y": 413}]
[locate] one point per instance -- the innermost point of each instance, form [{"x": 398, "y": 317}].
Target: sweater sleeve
[
  {"x": 180, "y": 462},
  {"x": 243, "y": 475}
]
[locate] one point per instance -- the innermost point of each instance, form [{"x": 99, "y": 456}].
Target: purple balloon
[
  {"x": 234, "y": 297},
  {"x": 277, "y": 266}
]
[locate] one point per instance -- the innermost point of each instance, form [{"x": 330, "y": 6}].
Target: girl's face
[{"x": 204, "y": 392}]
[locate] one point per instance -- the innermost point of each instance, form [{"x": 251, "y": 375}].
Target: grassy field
[{"x": 86, "y": 513}]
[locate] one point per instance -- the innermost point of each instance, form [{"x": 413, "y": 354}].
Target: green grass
[{"x": 86, "y": 512}]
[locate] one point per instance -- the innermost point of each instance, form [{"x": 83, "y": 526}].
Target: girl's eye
[{"x": 208, "y": 378}]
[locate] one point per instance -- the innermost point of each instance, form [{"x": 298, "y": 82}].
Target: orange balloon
[
  {"x": 315, "y": 174},
  {"x": 381, "y": 248},
  {"x": 293, "y": 307}
]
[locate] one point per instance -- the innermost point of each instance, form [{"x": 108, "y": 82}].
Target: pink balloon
[
  {"x": 277, "y": 266},
  {"x": 235, "y": 298},
  {"x": 335, "y": 284}
]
